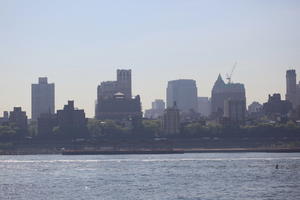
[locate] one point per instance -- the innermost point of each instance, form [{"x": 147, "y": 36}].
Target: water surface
[{"x": 215, "y": 176}]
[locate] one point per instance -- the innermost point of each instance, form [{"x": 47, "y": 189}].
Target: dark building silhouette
[
  {"x": 19, "y": 118},
  {"x": 114, "y": 99},
  {"x": 276, "y": 106},
  {"x": 222, "y": 91},
  {"x": 255, "y": 107},
  {"x": 119, "y": 108},
  {"x": 71, "y": 121},
  {"x": 171, "y": 120},
  {"x": 5, "y": 118},
  {"x": 184, "y": 93},
  {"x": 46, "y": 122}
]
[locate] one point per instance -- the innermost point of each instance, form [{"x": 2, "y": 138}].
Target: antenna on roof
[{"x": 229, "y": 76}]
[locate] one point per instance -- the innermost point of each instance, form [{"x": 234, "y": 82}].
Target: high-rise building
[
  {"x": 184, "y": 93},
  {"x": 42, "y": 98},
  {"x": 114, "y": 99},
  {"x": 204, "y": 106},
  {"x": 157, "y": 110},
  {"x": 222, "y": 91},
  {"x": 291, "y": 87},
  {"x": 235, "y": 110},
  {"x": 108, "y": 89},
  {"x": 171, "y": 120}
]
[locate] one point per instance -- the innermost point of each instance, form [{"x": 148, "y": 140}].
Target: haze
[{"x": 78, "y": 44}]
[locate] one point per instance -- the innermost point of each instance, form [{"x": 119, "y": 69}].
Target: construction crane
[{"x": 228, "y": 76}]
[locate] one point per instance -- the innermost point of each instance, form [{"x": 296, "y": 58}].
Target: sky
[{"x": 78, "y": 44}]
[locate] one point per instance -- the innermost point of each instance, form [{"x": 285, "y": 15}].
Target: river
[{"x": 214, "y": 176}]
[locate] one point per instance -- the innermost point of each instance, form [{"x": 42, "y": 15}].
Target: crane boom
[{"x": 228, "y": 77}]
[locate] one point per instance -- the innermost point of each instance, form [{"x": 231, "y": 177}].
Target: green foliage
[{"x": 151, "y": 127}]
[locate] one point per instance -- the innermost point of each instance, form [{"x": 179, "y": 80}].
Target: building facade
[
  {"x": 71, "y": 121},
  {"x": 204, "y": 106},
  {"x": 276, "y": 106},
  {"x": 223, "y": 91},
  {"x": 19, "y": 118},
  {"x": 157, "y": 110},
  {"x": 184, "y": 93},
  {"x": 235, "y": 110},
  {"x": 171, "y": 120},
  {"x": 291, "y": 87},
  {"x": 254, "y": 107},
  {"x": 114, "y": 99},
  {"x": 42, "y": 98}
]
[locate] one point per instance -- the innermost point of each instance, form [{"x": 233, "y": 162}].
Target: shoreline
[{"x": 153, "y": 151}]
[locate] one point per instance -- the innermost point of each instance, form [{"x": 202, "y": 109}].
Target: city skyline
[{"x": 168, "y": 45}]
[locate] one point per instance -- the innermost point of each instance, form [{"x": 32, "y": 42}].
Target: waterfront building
[
  {"x": 223, "y": 91},
  {"x": 204, "y": 106},
  {"x": 157, "y": 110},
  {"x": 119, "y": 108},
  {"x": 171, "y": 120},
  {"x": 42, "y": 98},
  {"x": 72, "y": 122},
  {"x": 184, "y": 93},
  {"x": 235, "y": 110},
  {"x": 276, "y": 106},
  {"x": 107, "y": 89},
  {"x": 19, "y": 118},
  {"x": 114, "y": 99}
]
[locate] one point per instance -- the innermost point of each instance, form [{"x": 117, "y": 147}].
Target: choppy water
[{"x": 184, "y": 177}]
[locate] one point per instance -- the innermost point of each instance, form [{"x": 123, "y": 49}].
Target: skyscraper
[
  {"x": 42, "y": 98},
  {"x": 184, "y": 93},
  {"x": 291, "y": 87},
  {"x": 222, "y": 91}
]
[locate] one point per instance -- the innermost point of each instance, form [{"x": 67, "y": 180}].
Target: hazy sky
[{"x": 79, "y": 44}]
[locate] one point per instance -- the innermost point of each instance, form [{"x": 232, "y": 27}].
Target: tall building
[
  {"x": 157, "y": 110},
  {"x": 291, "y": 86},
  {"x": 114, "y": 99},
  {"x": 184, "y": 93},
  {"x": 204, "y": 106},
  {"x": 222, "y": 91},
  {"x": 108, "y": 89},
  {"x": 171, "y": 120},
  {"x": 42, "y": 98},
  {"x": 235, "y": 110}
]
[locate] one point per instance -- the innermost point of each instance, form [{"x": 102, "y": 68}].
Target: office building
[
  {"x": 19, "y": 118},
  {"x": 223, "y": 91},
  {"x": 184, "y": 93},
  {"x": 276, "y": 106},
  {"x": 42, "y": 98}
]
